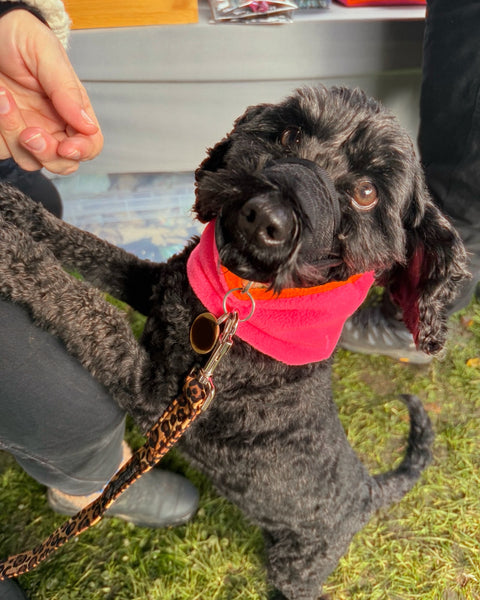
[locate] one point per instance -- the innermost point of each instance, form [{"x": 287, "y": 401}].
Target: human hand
[{"x": 46, "y": 119}]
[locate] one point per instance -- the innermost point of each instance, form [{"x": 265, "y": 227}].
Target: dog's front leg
[
  {"x": 92, "y": 329},
  {"x": 106, "y": 266}
]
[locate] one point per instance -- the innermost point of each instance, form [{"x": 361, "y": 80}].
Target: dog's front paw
[
  {"x": 19, "y": 210},
  {"x": 13, "y": 202}
]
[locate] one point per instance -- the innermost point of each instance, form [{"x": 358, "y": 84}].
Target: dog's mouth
[{"x": 282, "y": 234}]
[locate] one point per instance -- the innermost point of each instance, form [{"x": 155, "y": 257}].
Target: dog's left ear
[
  {"x": 217, "y": 158},
  {"x": 427, "y": 285}
]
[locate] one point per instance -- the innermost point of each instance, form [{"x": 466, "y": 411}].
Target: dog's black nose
[{"x": 266, "y": 221}]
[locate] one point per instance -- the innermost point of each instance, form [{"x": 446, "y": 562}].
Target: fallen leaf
[{"x": 474, "y": 362}]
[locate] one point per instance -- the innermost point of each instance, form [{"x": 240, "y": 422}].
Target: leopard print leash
[{"x": 198, "y": 392}]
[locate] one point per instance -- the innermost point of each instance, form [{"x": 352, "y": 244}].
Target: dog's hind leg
[
  {"x": 299, "y": 565},
  {"x": 92, "y": 329},
  {"x": 106, "y": 266}
]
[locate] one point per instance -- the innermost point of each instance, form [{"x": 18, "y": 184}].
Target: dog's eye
[
  {"x": 365, "y": 195},
  {"x": 292, "y": 136}
]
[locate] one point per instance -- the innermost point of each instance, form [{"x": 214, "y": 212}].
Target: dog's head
[{"x": 324, "y": 185}]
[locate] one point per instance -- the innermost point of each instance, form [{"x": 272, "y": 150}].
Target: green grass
[{"x": 426, "y": 547}]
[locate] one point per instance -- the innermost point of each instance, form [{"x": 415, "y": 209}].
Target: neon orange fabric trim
[{"x": 260, "y": 293}]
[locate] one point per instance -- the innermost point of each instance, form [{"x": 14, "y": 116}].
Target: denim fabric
[{"x": 57, "y": 421}]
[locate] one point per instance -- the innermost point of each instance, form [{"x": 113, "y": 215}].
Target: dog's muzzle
[
  {"x": 303, "y": 195},
  {"x": 308, "y": 192},
  {"x": 284, "y": 231}
]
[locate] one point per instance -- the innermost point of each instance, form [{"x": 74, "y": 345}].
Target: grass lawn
[{"x": 426, "y": 547}]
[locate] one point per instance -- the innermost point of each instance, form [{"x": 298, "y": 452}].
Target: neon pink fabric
[{"x": 297, "y": 327}]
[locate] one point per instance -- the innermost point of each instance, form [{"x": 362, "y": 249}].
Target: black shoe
[
  {"x": 10, "y": 590},
  {"x": 469, "y": 290},
  {"x": 374, "y": 329},
  {"x": 379, "y": 329},
  {"x": 33, "y": 184},
  {"x": 158, "y": 499}
]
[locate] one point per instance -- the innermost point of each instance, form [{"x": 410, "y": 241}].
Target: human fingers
[
  {"x": 60, "y": 83},
  {"x": 78, "y": 114},
  {"x": 84, "y": 139},
  {"x": 80, "y": 147},
  {"x": 44, "y": 148},
  {"x": 11, "y": 126}
]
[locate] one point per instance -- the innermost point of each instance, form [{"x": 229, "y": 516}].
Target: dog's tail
[{"x": 392, "y": 486}]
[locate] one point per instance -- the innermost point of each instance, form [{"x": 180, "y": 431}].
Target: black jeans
[
  {"x": 58, "y": 422},
  {"x": 449, "y": 136}
]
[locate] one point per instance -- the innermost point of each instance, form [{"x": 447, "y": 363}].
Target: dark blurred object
[{"x": 381, "y": 2}]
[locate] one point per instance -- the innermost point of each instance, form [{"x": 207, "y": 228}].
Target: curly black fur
[{"x": 318, "y": 187}]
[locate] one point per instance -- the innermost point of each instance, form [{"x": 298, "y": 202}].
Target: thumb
[
  {"x": 78, "y": 113},
  {"x": 61, "y": 84}
]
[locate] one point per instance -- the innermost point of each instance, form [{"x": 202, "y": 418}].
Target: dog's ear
[
  {"x": 426, "y": 286},
  {"x": 216, "y": 159}
]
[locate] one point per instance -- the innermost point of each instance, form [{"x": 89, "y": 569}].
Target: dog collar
[{"x": 297, "y": 326}]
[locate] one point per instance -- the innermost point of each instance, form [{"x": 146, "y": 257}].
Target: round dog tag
[{"x": 204, "y": 333}]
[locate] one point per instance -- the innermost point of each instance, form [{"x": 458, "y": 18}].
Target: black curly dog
[{"x": 316, "y": 189}]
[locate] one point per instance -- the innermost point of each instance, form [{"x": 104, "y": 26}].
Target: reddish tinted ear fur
[{"x": 428, "y": 284}]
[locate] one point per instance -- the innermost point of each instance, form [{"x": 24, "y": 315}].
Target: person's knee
[{"x": 56, "y": 418}]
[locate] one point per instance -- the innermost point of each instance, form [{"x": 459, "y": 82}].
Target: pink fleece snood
[{"x": 297, "y": 326}]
